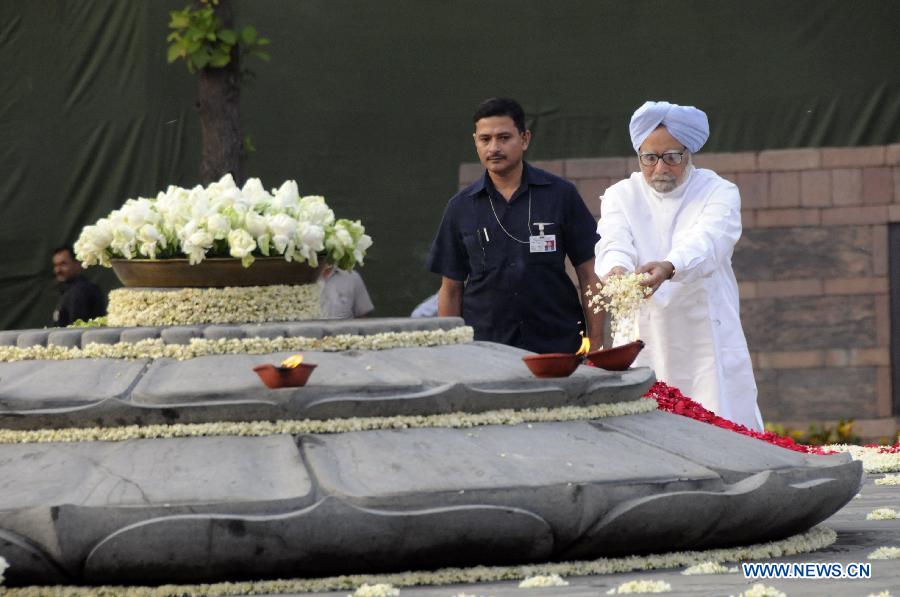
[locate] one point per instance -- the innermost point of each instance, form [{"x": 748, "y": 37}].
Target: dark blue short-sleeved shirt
[{"x": 512, "y": 295}]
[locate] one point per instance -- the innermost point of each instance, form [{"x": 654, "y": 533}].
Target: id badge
[{"x": 545, "y": 243}]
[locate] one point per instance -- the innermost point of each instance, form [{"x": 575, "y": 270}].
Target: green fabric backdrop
[{"x": 369, "y": 104}]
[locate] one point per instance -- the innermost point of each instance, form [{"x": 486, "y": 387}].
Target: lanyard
[{"x": 503, "y": 228}]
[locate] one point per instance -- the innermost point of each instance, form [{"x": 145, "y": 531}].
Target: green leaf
[
  {"x": 220, "y": 59},
  {"x": 201, "y": 58},
  {"x": 228, "y": 36},
  {"x": 263, "y": 41},
  {"x": 174, "y": 53},
  {"x": 180, "y": 20},
  {"x": 248, "y": 34}
]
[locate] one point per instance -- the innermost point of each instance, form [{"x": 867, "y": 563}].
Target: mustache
[{"x": 663, "y": 178}]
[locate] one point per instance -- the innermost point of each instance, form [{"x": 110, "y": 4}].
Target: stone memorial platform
[{"x": 199, "y": 509}]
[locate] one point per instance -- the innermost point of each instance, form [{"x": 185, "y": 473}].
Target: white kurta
[{"x": 691, "y": 325}]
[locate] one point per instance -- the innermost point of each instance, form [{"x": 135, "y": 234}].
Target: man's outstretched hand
[{"x": 657, "y": 273}]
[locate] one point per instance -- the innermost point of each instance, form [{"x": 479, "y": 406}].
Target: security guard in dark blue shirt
[{"x": 502, "y": 244}]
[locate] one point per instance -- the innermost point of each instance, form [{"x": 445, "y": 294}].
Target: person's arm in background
[
  {"x": 450, "y": 298},
  {"x": 362, "y": 304},
  {"x": 594, "y": 322}
]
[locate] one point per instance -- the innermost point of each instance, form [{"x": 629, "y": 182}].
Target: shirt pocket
[
  {"x": 546, "y": 258},
  {"x": 475, "y": 252}
]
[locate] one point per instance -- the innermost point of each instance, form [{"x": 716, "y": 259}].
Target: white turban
[{"x": 686, "y": 123}]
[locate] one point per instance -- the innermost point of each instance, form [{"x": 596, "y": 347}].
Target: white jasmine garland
[
  {"x": 251, "y": 304},
  {"x": 708, "y": 568},
  {"x": 885, "y": 553},
  {"x": 155, "y": 348},
  {"x": 456, "y": 420},
  {"x": 761, "y": 590},
  {"x": 543, "y": 580},
  {"x": 816, "y": 538},
  {"x": 883, "y": 514},
  {"x": 641, "y": 586}
]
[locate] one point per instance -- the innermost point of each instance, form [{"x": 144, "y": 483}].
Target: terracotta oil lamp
[
  {"x": 561, "y": 364},
  {"x": 292, "y": 373}
]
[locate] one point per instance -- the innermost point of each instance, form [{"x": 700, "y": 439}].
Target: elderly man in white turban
[{"x": 678, "y": 224}]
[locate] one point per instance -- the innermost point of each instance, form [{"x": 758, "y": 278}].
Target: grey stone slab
[
  {"x": 41, "y": 385},
  {"x": 151, "y": 472},
  {"x": 316, "y": 540},
  {"x": 181, "y": 334},
  {"x": 29, "y": 338},
  {"x": 385, "y": 383},
  {"x": 218, "y": 332},
  {"x": 856, "y": 539},
  {"x": 337, "y": 327},
  {"x": 265, "y": 330},
  {"x": 101, "y": 336},
  {"x": 309, "y": 329},
  {"x": 203, "y": 509},
  {"x": 9, "y": 337},
  {"x": 140, "y": 333},
  {"x": 514, "y": 458},
  {"x": 33, "y": 565},
  {"x": 65, "y": 498},
  {"x": 68, "y": 338},
  {"x": 700, "y": 442}
]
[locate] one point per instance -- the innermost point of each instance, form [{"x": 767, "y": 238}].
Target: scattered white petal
[
  {"x": 761, "y": 590},
  {"x": 885, "y": 553},
  {"x": 883, "y": 514},
  {"x": 376, "y": 590},
  {"x": 548, "y": 580},
  {"x": 708, "y": 568},
  {"x": 888, "y": 480},
  {"x": 641, "y": 586}
]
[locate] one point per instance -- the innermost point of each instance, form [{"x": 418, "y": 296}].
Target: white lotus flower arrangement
[{"x": 225, "y": 220}]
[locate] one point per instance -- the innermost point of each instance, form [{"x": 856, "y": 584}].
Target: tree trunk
[{"x": 219, "y": 98}]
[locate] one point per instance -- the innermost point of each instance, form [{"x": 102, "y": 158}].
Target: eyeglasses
[{"x": 672, "y": 158}]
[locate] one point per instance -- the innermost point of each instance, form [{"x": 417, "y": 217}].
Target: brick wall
[{"x": 812, "y": 266}]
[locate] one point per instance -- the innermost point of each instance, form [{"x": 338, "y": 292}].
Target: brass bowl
[{"x": 214, "y": 272}]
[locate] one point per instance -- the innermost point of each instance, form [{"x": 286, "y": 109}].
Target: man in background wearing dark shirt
[
  {"x": 503, "y": 241},
  {"x": 79, "y": 298}
]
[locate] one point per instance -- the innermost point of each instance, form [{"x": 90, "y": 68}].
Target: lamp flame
[
  {"x": 585, "y": 345},
  {"x": 292, "y": 361}
]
